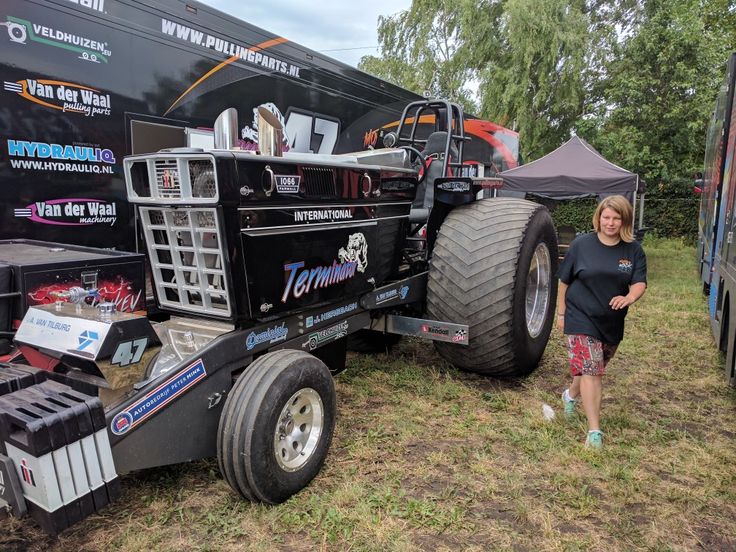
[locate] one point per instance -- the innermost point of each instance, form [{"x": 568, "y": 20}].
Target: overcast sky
[{"x": 321, "y": 26}]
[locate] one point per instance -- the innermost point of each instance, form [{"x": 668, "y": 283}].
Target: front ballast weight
[{"x": 267, "y": 266}]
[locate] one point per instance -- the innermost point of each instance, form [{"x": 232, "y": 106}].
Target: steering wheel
[{"x": 417, "y": 157}]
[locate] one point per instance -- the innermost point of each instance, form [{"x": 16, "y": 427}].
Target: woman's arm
[
  {"x": 561, "y": 292},
  {"x": 635, "y": 292}
]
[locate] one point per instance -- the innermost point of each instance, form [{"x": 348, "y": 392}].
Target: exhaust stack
[
  {"x": 270, "y": 133},
  {"x": 226, "y": 129}
]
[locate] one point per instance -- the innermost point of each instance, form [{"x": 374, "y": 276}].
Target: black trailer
[
  {"x": 268, "y": 263},
  {"x": 87, "y": 82}
]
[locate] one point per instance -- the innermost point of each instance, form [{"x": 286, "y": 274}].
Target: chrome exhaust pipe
[
  {"x": 226, "y": 130},
  {"x": 270, "y": 133}
]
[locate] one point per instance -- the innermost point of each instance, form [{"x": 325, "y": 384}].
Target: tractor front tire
[
  {"x": 494, "y": 268},
  {"x": 276, "y": 426}
]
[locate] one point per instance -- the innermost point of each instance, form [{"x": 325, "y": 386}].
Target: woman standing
[{"x": 603, "y": 273}]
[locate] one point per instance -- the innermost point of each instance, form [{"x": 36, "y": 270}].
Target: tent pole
[{"x": 641, "y": 211}]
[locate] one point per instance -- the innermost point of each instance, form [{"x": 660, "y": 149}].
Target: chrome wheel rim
[
  {"x": 298, "y": 429},
  {"x": 538, "y": 283}
]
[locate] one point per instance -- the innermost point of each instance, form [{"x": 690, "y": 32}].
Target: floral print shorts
[{"x": 588, "y": 356}]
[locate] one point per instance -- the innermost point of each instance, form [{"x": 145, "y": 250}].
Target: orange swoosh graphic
[
  {"x": 410, "y": 121},
  {"x": 208, "y": 74},
  {"x": 25, "y": 94}
]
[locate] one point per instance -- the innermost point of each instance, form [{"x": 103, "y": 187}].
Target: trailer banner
[
  {"x": 76, "y": 157},
  {"x": 251, "y": 55},
  {"x": 20, "y": 31},
  {"x": 64, "y": 96},
  {"x": 70, "y": 212}
]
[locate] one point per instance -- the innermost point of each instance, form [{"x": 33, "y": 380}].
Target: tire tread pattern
[
  {"x": 237, "y": 421},
  {"x": 472, "y": 277}
]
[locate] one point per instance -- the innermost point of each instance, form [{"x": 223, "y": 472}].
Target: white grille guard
[{"x": 171, "y": 178}]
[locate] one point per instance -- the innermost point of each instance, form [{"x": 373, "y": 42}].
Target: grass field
[{"x": 429, "y": 458}]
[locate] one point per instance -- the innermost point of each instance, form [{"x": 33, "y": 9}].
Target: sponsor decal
[
  {"x": 435, "y": 330},
  {"x": 390, "y": 294},
  {"x": 50, "y": 324},
  {"x": 301, "y": 281},
  {"x": 64, "y": 96},
  {"x": 121, "y": 423},
  {"x": 253, "y": 57},
  {"x": 77, "y": 153},
  {"x": 386, "y": 296},
  {"x": 454, "y": 186},
  {"x": 332, "y": 333},
  {"x": 21, "y": 31},
  {"x": 27, "y": 473},
  {"x": 86, "y": 338},
  {"x": 329, "y": 315},
  {"x": 69, "y": 212},
  {"x": 97, "y": 5},
  {"x": 625, "y": 266},
  {"x": 287, "y": 184},
  {"x": 370, "y": 138},
  {"x": 460, "y": 336},
  {"x": 155, "y": 400},
  {"x": 489, "y": 183},
  {"x": 397, "y": 186},
  {"x": 269, "y": 335},
  {"x": 323, "y": 214},
  {"x": 120, "y": 292}
]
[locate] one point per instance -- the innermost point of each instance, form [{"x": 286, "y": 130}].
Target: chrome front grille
[
  {"x": 162, "y": 177},
  {"x": 187, "y": 259},
  {"x": 202, "y": 177}
]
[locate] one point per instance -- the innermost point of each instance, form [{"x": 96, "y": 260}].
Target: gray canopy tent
[{"x": 574, "y": 170}]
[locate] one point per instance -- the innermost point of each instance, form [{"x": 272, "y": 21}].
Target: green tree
[
  {"x": 421, "y": 50},
  {"x": 524, "y": 58},
  {"x": 658, "y": 93},
  {"x": 636, "y": 78},
  {"x": 535, "y": 81}
]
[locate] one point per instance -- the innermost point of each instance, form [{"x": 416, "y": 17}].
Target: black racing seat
[{"x": 434, "y": 153}]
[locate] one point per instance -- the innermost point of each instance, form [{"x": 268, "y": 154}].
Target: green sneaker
[
  {"x": 594, "y": 439},
  {"x": 568, "y": 403}
]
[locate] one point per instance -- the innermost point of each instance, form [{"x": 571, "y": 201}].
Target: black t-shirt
[{"x": 595, "y": 274}]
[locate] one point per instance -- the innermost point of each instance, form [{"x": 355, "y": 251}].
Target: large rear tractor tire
[
  {"x": 494, "y": 268},
  {"x": 276, "y": 426}
]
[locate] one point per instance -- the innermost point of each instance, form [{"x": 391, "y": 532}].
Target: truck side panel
[
  {"x": 86, "y": 83},
  {"x": 723, "y": 187}
]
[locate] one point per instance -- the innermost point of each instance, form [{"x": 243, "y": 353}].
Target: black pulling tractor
[{"x": 268, "y": 265}]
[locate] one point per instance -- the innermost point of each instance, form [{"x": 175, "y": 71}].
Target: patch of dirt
[
  {"x": 711, "y": 538},
  {"x": 488, "y": 510},
  {"x": 439, "y": 542},
  {"x": 691, "y": 429}
]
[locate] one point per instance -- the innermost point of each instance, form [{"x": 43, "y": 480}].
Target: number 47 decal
[{"x": 129, "y": 352}]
